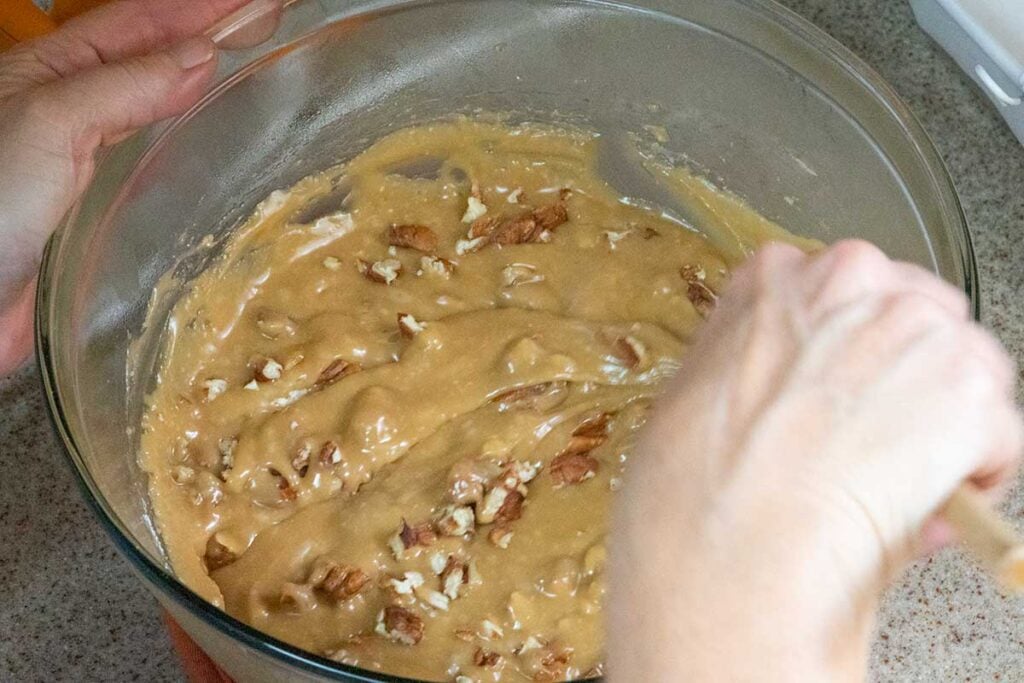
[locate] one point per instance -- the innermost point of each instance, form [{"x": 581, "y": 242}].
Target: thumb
[{"x": 100, "y": 105}]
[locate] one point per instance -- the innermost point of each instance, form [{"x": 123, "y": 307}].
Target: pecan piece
[
  {"x": 551, "y": 216},
  {"x": 486, "y": 658},
  {"x": 384, "y": 272},
  {"x": 330, "y": 454},
  {"x": 266, "y": 370},
  {"x": 435, "y": 265},
  {"x": 500, "y": 536},
  {"x": 411, "y": 236},
  {"x": 335, "y": 370},
  {"x": 456, "y": 520},
  {"x": 226, "y": 447},
  {"x": 343, "y": 582},
  {"x": 467, "y": 477},
  {"x": 500, "y": 505},
  {"x": 588, "y": 435},
  {"x": 407, "y": 537},
  {"x": 213, "y": 388},
  {"x": 453, "y": 577},
  {"x": 409, "y": 326},
  {"x": 512, "y": 508},
  {"x": 630, "y": 351},
  {"x": 547, "y": 665},
  {"x": 400, "y": 625},
  {"x": 700, "y": 295},
  {"x": 520, "y": 229},
  {"x": 537, "y": 397},
  {"x": 596, "y": 425},
  {"x": 516, "y": 274},
  {"x": 217, "y": 554},
  {"x": 572, "y": 468},
  {"x": 284, "y": 487},
  {"x": 475, "y": 208},
  {"x": 300, "y": 462}
]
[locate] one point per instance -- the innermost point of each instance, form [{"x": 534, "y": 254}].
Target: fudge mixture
[{"x": 391, "y": 419}]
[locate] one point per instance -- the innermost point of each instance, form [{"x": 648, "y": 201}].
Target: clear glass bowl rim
[{"x": 162, "y": 579}]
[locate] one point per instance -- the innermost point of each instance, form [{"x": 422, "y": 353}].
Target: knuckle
[
  {"x": 914, "y": 310},
  {"x": 856, "y": 256}
]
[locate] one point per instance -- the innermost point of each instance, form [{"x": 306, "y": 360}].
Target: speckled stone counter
[{"x": 71, "y": 609}]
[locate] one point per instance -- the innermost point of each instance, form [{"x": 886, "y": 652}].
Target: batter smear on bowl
[{"x": 392, "y": 417}]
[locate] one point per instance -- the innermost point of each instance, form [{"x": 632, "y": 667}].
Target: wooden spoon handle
[{"x": 989, "y": 537}]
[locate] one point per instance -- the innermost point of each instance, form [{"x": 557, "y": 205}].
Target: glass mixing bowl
[{"x": 748, "y": 93}]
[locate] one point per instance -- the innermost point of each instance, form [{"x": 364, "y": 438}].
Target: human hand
[
  {"x": 91, "y": 83},
  {"x": 824, "y": 414}
]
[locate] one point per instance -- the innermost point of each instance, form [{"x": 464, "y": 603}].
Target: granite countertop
[{"x": 72, "y": 610}]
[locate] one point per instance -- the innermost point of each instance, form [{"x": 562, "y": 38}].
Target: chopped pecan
[
  {"x": 409, "y": 326},
  {"x": 500, "y": 535},
  {"x": 183, "y": 474},
  {"x": 537, "y": 397},
  {"x": 500, "y": 505},
  {"x": 287, "y": 493},
  {"x": 411, "y": 236},
  {"x": 518, "y": 472},
  {"x": 483, "y": 227},
  {"x": 490, "y": 630},
  {"x": 486, "y": 658},
  {"x": 300, "y": 462},
  {"x": 266, "y": 370},
  {"x": 548, "y": 664},
  {"x": 335, "y": 370},
  {"x": 475, "y": 208},
  {"x": 433, "y": 598},
  {"x": 217, "y": 554},
  {"x": 519, "y": 229},
  {"x": 330, "y": 454},
  {"x": 590, "y": 434},
  {"x": 406, "y": 585},
  {"x": 551, "y": 216},
  {"x": 342, "y": 581},
  {"x": 614, "y": 237},
  {"x": 467, "y": 477},
  {"x": 454, "y": 575},
  {"x": 595, "y": 425},
  {"x": 213, "y": 388},
  {"x": 226, "y": 447},
  {"x": 629, "y": 350},
  {"x": 468, "y": 246},
  {"x": 407, "y": 537},
  {"x": 516, "y": 274},
  {"x": 456, "y": 520},
  {"x": 492, "y": 503},
  {"x": 434, "y": 265},
  {"x": 421, "y": 534},
  {"x": 700, "y": 295},
  {"x": 384, "y": 272},
  {"x": 512, "y": 508},
  {"x": 400, "y": 625},
  {"x": 572, "y": 468}
]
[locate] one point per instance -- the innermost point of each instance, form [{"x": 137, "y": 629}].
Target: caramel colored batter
[{"x": 389, "y": 430}]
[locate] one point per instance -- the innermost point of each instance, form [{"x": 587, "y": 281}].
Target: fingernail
[{"x": 192, "y": 52}]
